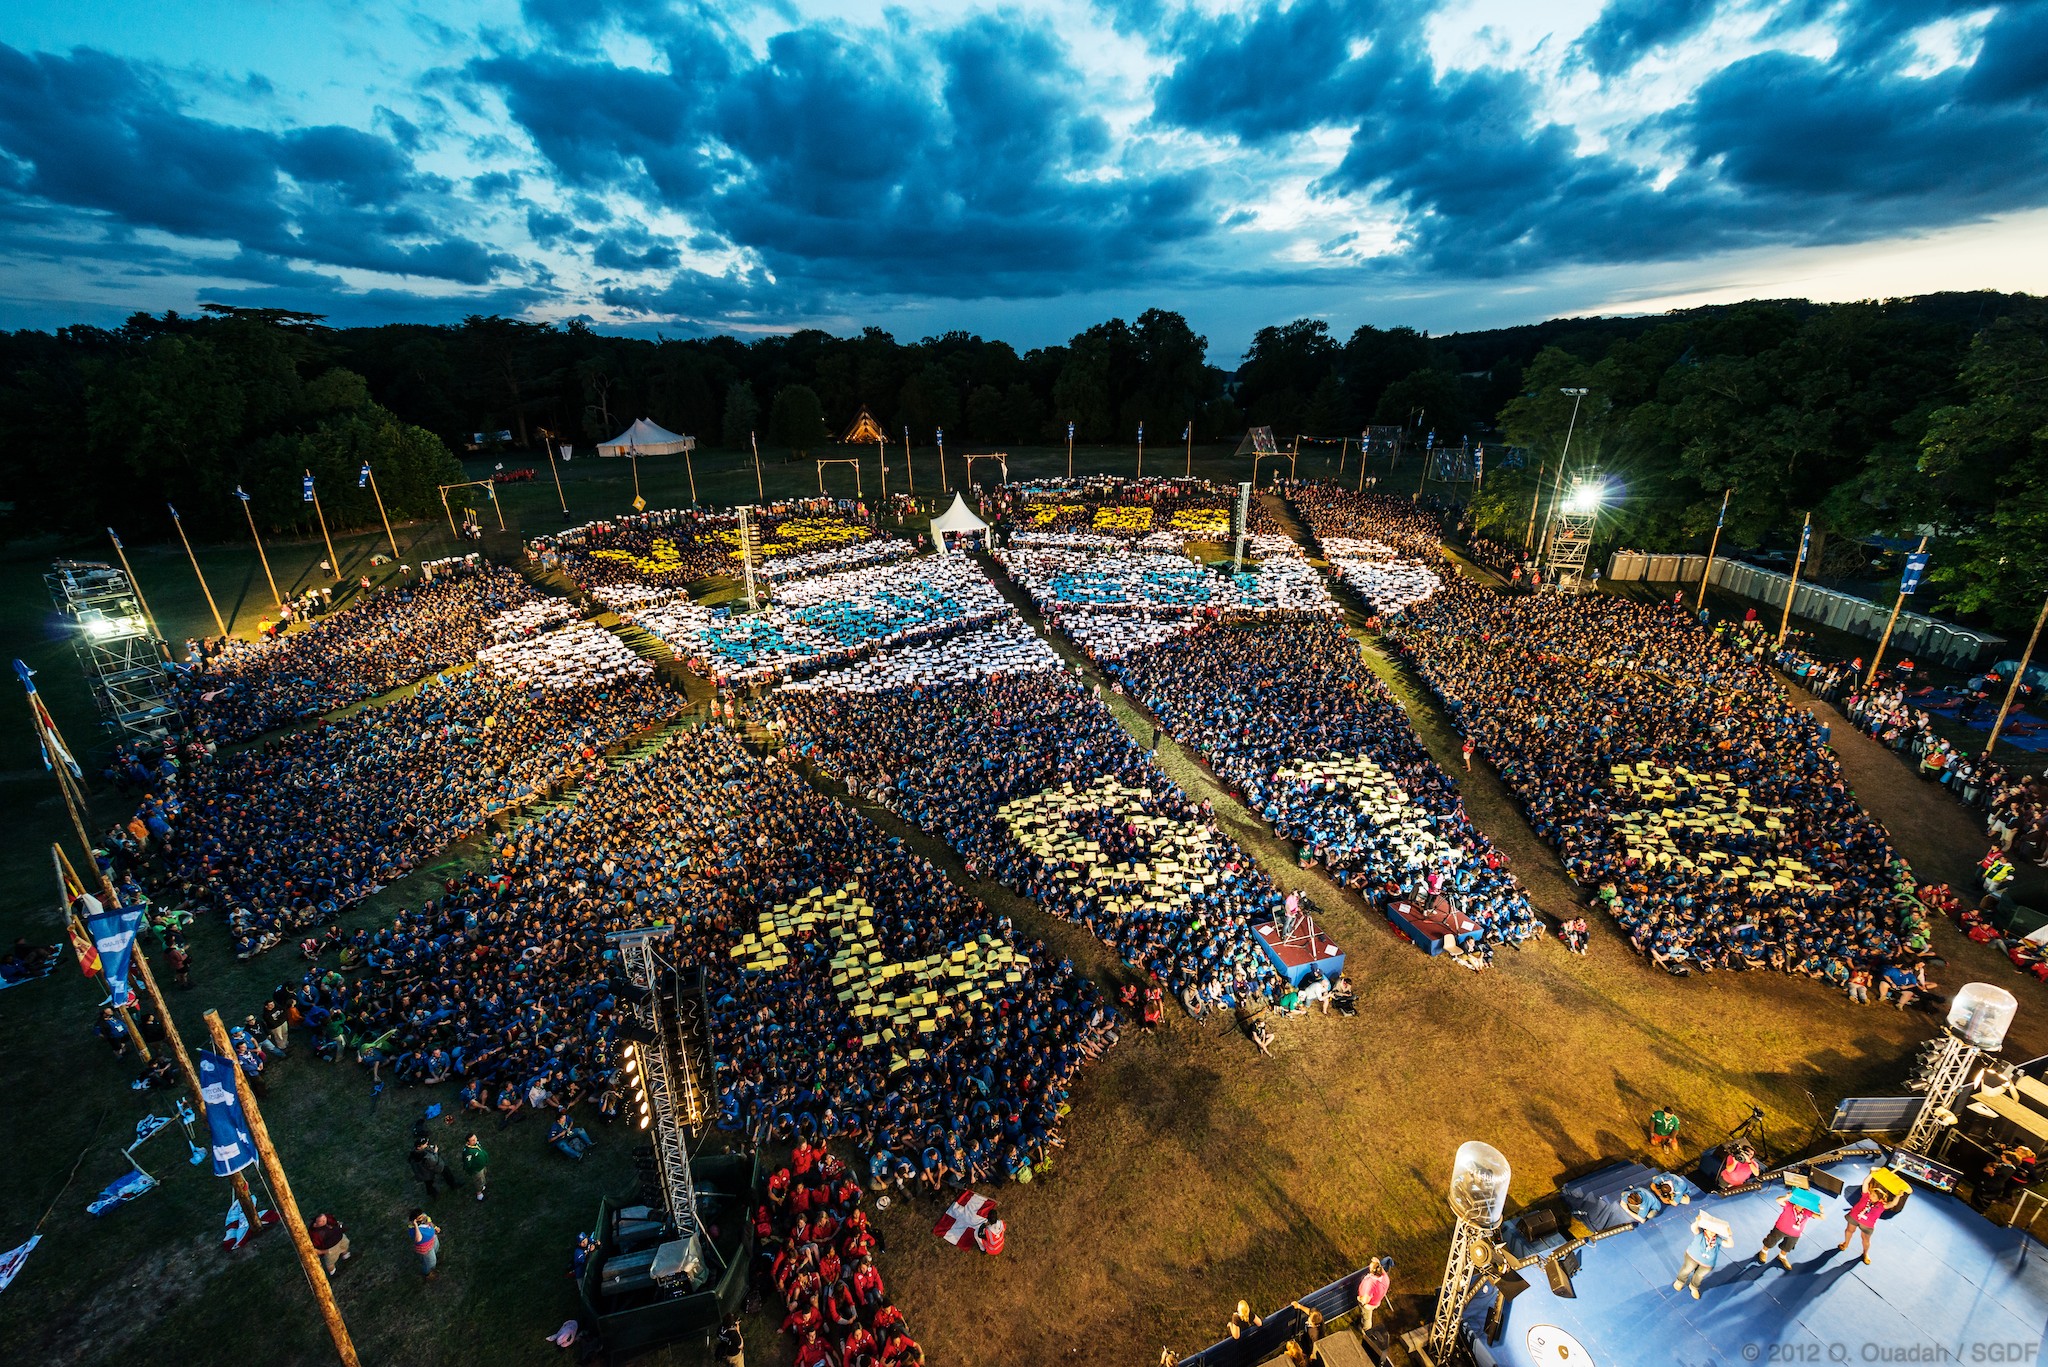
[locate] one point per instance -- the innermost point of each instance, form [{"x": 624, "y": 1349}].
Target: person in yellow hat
[{"x": 1872, "y": 1203}]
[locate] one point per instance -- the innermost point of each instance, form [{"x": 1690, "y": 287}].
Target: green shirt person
[
  {"x": 476, "y": 1164},
  {"x": 1664, "y": 1128}
]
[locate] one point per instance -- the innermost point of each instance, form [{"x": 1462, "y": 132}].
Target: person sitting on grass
[{"x": 569, "y": 1138}]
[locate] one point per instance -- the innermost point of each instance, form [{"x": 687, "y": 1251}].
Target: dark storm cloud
[
  {"x": 961, "y": 162},
  {"x": 1775, "y": 149},
  {"x": 1629, "y": 30},
  {"x": 92, "y": 132}
]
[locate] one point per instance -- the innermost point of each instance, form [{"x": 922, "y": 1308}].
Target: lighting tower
[
  {"x": 1571, "y": 532},
  {"x": 1977, "y": 1021},
  {"x": 1479, "y": 1193},
  {"x": 117, "y": 645}
]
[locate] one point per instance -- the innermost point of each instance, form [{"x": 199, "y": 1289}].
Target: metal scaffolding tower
[
  {"x": 117, "y": 645},
  {"x": 670, "y": 1097}
]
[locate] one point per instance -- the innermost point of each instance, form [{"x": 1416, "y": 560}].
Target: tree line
[{"x": 1882, "y": 419}]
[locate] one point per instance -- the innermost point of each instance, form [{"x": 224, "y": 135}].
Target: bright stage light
[{"x": 1586, "y": 497}]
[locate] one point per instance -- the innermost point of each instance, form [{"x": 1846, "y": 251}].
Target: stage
[
  {"x": 1945, "y": 1286},
  {"x": 1436, "y": 929},
  {"x": 1294, "y": 955}
]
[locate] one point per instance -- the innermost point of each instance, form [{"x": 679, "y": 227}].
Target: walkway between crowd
[{"x": 1350, "y": 926}]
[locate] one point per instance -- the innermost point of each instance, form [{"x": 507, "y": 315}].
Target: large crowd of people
[
  {"x": 975, "y": 764},
  {"x": 817, "y": 622},
  {"x": 674, "y": 547},
  {"x": 282, "y": 836},
  {"x": 1278, "y": 709},
  {"x": 1667, "y": 768},
  {"x": 234, "y": 689},
  {"x": 1111, "y": 505}
]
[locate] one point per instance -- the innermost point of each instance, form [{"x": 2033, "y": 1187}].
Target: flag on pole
[
  {"x": 116, "y": 538},
  {"x": 13, "y": 1258},
  {"x": 239, "y": 494},
  {"x": 1141, "y": 433},
  {"x": 174, "y": 511},
  {"x": 1070, "y": 431},
  {"x": 1805, "y": 538},
  {"x": 309, "y": 487},
  {"x": 68, "y": 892},
  {"x": 363, "y": 476},
  {"x": 1916, "y": 567},
  {"x": 46, "y": 728},
  {"x": 941, "y": 436},
  {"x": 234, "y": 1148},
  {"x": 113, "y": 934},
  {"x": 1430, "y": 444},
  {"x": 1723, "y": 517},
  {"x": 1188, "y": 433}
]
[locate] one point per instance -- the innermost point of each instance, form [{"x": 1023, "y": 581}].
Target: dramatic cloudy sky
[{"x": 1016, "y": 170}]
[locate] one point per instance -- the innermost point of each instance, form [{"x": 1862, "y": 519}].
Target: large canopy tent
[
  {"x": 646, "y": 438},
  {"x": 959, "y": 520}
]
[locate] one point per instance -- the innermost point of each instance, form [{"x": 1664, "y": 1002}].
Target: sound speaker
[
  {"x": 1537, "y": 1224},
  {"x": 1825, "y": 1181},
  {"x": 1560, "y": 1279}
]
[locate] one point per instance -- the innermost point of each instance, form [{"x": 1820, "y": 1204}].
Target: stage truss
[{"x": 117, "y": 646}]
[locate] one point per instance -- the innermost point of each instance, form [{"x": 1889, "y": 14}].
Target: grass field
[{"x": 1196, "y": 1171}]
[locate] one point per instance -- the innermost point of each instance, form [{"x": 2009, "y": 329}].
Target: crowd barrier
[{"x": 1915, "y": 633}]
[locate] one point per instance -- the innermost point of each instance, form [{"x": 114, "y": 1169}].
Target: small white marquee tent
[
  {"x": 646, "y": 438},
  {"x": 959, "y": 520}
]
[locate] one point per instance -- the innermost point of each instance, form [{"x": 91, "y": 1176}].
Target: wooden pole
[
  {"x": 547, "y": 444},
  {"x": 755, "y": 442},
  {"x": 1900, "y": 602},
  {"x": 1141, "y": 450},
  {"x": 122, "y": 551},
  {"x": 491, "y": 488},
  {"x": 690, "y": 468},
  {"x": 1713, "y": 548},
  {"x": 386, "y": 517},
  {"x": 1362, "y": 449},
  {"x": 1070, "y": 450},
  {"x": 74, "y": 806},
  {"x": 2012, "y": 689},
  {"x": 909, "y": 471},
  {"x": 275, "y": 597},
  {"x": 287, "y": 1205},
  {"x": 1188, "y": 471},
  {"x": 1535, "y": 500},
  {"x": 449, "y": 512},
  {"x": 211, "y": 605},
  {"x": 333, "y": 560},
  {"x": 943, "y": 485},
  {"x": 1791, "y": 592},
  {"x": 633, "y": 453},
  {"x": 882, "y": 455}
]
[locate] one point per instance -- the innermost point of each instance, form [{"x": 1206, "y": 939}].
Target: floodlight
[{"x": 1586, "y": 497}]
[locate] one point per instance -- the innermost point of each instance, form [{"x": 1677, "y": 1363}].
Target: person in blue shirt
[{"x": 1701, "y": 1254}]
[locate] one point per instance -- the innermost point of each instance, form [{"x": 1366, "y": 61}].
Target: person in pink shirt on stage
[
  {"x": 1797, "y": 1209},
  {"x": 1871, "y": 1205}
]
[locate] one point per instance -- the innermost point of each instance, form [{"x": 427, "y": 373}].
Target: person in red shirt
[
  {"x": 867, "y": 1283},
  {"x": 804, "y": 1157},
  {"x": 825, "y": 1228},
  {"x": 887, "y": 1318},
  {"x": 829, "y": 1267},
  {"x": 813, "y": 1353},
  {"x": 778, "y": 1188},
  {"x": 901, "y": 1350},
  {"x": 805, "y": 1318}
]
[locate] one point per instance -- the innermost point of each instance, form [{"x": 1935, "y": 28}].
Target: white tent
[
  {"x": 646, "y": 438},
  {"x": 959, "y": 520}
]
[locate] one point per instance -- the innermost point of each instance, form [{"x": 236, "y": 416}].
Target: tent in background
[{"x": 646, "y": 438}]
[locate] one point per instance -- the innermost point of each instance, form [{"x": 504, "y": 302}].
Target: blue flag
[
  {"x": 1187, "y": 433},
  {"x": 1430, "y": 444},
  {"x": 116, "y": 538},
  {"x": 239, "y": 494},
  {"x": 1141, "y": 431},
  {"x": 1805, "y": 537},
  {"x": 113, "y": 934},
  {"x": 942, "y": 436},
  {"x": 363, "y": 476},
  {"x": 1722, "y": 516},
  {"x": 174, "y": 511},
  {"x": 309, "y": 487},
  {"x": 234, "y": 1148},
  {"x": 1916, "y": 566},
  {"x": 1070, "y": 431}
]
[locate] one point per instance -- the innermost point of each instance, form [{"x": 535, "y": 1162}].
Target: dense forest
[{"x": 1881, "y": 419}]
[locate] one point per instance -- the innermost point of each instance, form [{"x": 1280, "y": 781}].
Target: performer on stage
[
  {"x": 1871, "y": 1205},
  {"x": 1797, "y": 1210},
  {"x": 1701, "y": 1254}
]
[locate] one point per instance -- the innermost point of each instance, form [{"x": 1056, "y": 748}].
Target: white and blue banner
[
  {"x": 309, "y": 487},
  {"x": 239, "y": 494},
  {"x": 234, "y": 1148},
  {"x": 363, "y": 476},
  {"x": 113, "y": 935},
  {"x": 1916, "y": 568},
  {"x": 1805, "y": 539}
]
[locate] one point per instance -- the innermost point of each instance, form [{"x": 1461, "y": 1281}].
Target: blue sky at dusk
[{"x": 1016, "y": 171}]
